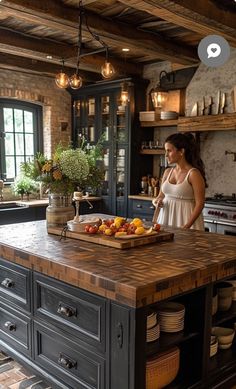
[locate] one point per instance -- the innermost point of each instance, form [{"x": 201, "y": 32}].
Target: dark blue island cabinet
[{"x": 77, "y": 313}]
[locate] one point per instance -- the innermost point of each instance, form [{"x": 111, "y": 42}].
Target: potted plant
[{"x": 24, "y": 185}]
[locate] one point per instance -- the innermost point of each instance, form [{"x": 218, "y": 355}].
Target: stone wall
[{"x": 220, "y": 168}]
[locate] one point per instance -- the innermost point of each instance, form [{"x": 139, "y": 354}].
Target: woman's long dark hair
[{"x": 189, "y": 144}]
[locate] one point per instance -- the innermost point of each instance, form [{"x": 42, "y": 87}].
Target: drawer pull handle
[
  {"x": 66, "y": 310},
  {"x": 139, "y": 206},
  {"x": 10, "y": 326},
  {"x": 65, "y": 361},
  {"x": 119, "y": 335},
  {"x": 152, "y": 207},
  {"x": 7, "y": 283}
]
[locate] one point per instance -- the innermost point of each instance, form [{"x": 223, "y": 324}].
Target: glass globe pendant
[
  {"x": 62, "y": 80},
  {"x": 75, "y": 81},
  {"x": 107, "y": 70}
]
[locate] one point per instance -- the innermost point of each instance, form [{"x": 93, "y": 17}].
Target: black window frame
[{"x": 37, "y": 111}]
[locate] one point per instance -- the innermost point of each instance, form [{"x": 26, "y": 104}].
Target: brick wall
[{"x": 41, "y": 90}]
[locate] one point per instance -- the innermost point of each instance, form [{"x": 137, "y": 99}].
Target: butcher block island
[{"x": 84, "y": 315}]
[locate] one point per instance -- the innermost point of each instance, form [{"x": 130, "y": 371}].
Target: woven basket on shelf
[{"x": 161, "y": 370}]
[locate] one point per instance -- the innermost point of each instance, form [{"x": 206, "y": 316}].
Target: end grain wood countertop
[{"x": 135, "y": 277}]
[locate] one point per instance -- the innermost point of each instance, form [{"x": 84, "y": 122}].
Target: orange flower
[
  {"x": 57, "y": 175},
  {"x": 47, "y": 167}
]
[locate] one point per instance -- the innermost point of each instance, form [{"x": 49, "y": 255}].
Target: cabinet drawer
[
  {"x": 15, "y": 283},
  {"x": 145, "y": 207},
  {"x": 15, "y": 329},
  {"x": 75, "y": 311},
  {"x": 73, "y": 364}
]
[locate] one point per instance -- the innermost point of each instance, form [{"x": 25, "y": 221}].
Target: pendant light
[
  {"x": 75, "y": 81},
  {"x": 107, "y": 69},
  {"x": 124, "y": 96},
  {"x": 62, "y": 80}
]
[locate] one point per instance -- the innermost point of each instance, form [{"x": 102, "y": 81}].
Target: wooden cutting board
[{"x": 111, "y": 241}]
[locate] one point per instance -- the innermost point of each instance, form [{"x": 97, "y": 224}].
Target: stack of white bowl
[
  {"x": 224, "y": 291},
  {"x": 171, "y": 317},
  {"x": 169, "y": 115},
  {"x": 214, "y": 346},
  {"x": 153, "y": 327},
  {"x": 224, "y": 336}
]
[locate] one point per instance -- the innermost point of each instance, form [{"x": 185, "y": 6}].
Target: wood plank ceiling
[{"x": 35, "y": 35}]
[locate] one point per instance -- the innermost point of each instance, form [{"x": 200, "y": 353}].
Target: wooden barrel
[{"x": 59, "y": 210}]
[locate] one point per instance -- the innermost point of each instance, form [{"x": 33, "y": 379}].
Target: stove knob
[
  {"x": 234, "y": 217},
  {"x": 210, "y": 212}
]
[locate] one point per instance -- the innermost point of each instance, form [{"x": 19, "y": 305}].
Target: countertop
[
  {"x": 42, "y": 202},
  {"x": 135, "y": 277},
  {"x": 141, "y": 197}
]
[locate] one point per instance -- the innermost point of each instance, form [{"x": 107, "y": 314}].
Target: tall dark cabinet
[{"x": 99, "y": 114}]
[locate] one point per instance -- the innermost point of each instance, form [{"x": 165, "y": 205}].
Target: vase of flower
[{"x": 59, "y": 210}]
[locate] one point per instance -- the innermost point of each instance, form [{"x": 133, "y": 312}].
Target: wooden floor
[{"x": 15, "y": 376}]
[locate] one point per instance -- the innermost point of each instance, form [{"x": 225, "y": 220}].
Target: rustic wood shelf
[
  {"x": 221, "y": 122},
  {"x": 153, "y": 152},
  {"x": 160, "y": 123}
]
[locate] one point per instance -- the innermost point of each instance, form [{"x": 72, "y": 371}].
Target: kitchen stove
[{"x": 220, "y": 214}]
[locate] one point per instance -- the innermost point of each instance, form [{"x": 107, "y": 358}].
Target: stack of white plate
[
  {"x": 171, "y": 317},
  {"x": 214, "y": 346},
  {"x": 169, "y": 115},
  {"x": 153, "y": 327}
]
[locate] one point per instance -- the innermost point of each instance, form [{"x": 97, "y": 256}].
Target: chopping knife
[{"x": 155, "y": 215}]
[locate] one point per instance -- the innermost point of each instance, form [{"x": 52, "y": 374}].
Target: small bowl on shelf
[{"x": 224, "y": 335}]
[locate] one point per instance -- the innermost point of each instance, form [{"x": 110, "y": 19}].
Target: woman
[{"x": 182, "y": 195}]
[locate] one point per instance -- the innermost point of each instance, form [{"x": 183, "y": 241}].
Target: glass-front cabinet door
[{"x": 99, "y": 115}]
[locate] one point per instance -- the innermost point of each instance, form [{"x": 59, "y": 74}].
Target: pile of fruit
[{"x": 119, "y": 226}]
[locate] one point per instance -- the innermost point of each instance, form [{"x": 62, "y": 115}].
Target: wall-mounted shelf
[
  {"x": 160, "y": 123},
  {"x": 219, "y": 122},
  {"x": 153, "y": 152}
]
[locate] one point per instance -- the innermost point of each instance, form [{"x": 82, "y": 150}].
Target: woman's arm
[
  {"x": 158, "y": 201},
  {"x": 198, "y": 184}
]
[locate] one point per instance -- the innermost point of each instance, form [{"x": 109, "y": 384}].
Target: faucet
[
  {"x": 1, "y": 189},
  {"x": 231, "y": 152}
]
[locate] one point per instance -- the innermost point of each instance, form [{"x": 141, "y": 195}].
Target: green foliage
[{"x": 24, "y": 185}]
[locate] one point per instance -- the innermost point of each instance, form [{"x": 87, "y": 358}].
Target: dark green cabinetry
[
  {"x": 143, "y": 209},
  {"x": 22, "y": 214},
  {"x": 99, "y": 115}
]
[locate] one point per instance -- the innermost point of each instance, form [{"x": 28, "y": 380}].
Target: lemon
[
  {"x": 120, "y": 233},
  {"x": 139, "y": 230},
  {"x": 137, "y": 222},
  {"x": 108, "y": 232}
]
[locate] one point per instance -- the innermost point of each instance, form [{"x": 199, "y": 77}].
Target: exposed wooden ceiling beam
[
  {"x": 54, "y": 15},
  {"x": 40, "y": 48},
  {"x": 203, "y": 16},
  {"x": 10, "y": 61}
]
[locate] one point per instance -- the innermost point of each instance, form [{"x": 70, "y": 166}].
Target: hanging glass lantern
[
  {"x": 75, "y": 81},
  {"x": 62, "y": 80}
]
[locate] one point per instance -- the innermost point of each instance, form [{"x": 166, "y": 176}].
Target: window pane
[
  {"x": 20, "y": 144},
  {"x": 10, "y": 167},
  {"x": 28, "y": 121},
  {"x": 19, "y": 160},
  {"x": 18, "y": 114},
  {"x": 29, "y": 144},
  {"x": 8, "y": 119},
  {"x": 9, "y": 144}
]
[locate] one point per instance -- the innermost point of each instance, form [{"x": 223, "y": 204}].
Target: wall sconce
[
  {"x": 124, "y": 96},
  {"x": 75, "y": 81},
  {"x": 159, "y": 95}
]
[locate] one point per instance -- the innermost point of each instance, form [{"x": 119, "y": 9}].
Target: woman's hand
[{"x": 158, "y": 202}]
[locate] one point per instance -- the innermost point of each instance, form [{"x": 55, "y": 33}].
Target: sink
[{"x": 12, "y": 205}]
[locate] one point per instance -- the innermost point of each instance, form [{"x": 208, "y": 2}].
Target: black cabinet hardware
[
  {"x": 10, "y": 326},
  {"x": 7, "y": 283},
  {"x": 65, "y": 361},
  {"x": 120, "y": 335},
  {"x": 66, "y": 310}
]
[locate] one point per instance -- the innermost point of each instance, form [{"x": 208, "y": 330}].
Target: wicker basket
[{"x": 162, "y": 369}]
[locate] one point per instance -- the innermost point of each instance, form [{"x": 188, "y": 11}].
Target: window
[{"x": 20, "y": 135}]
